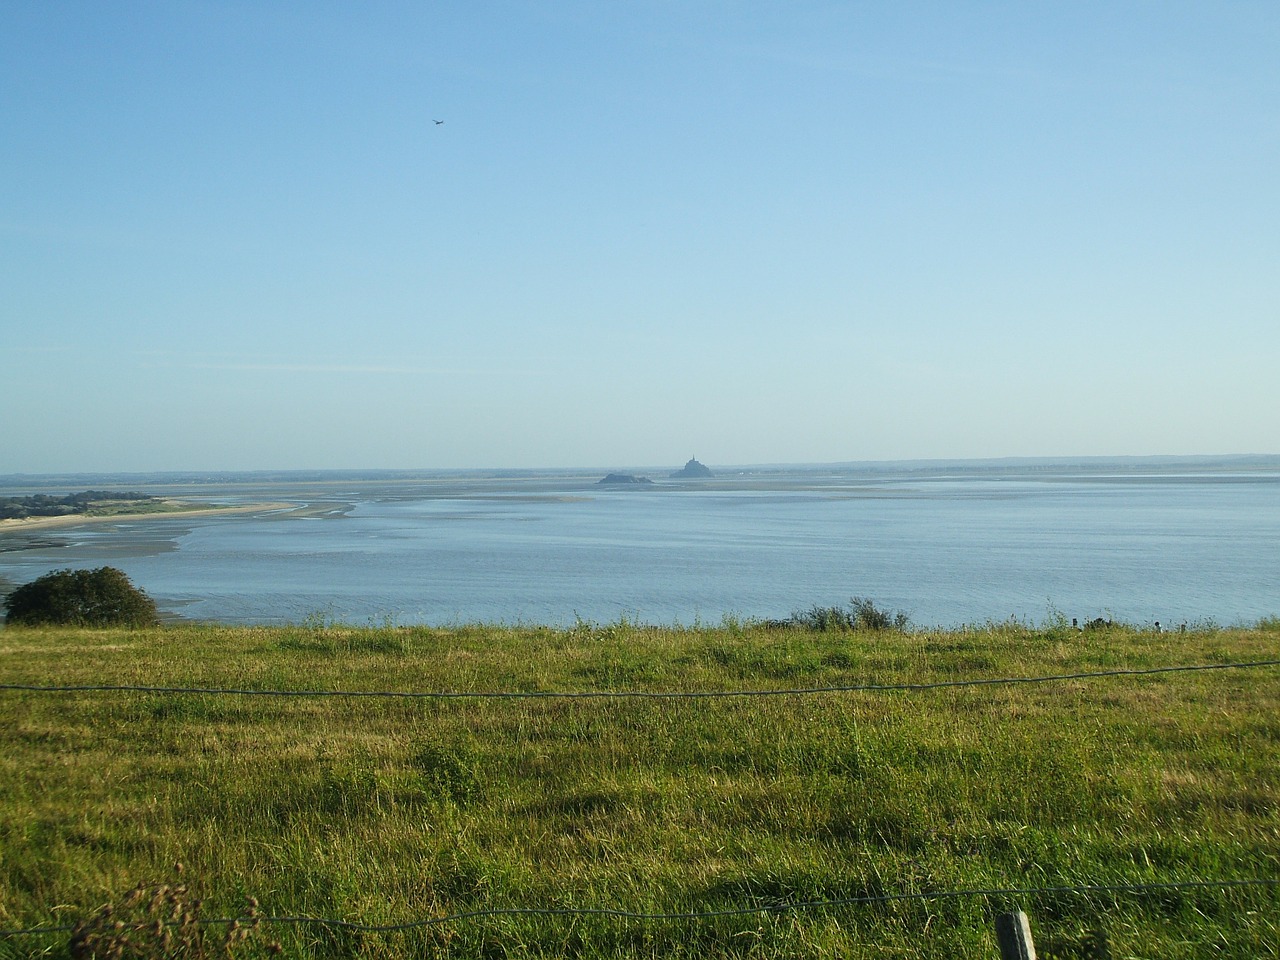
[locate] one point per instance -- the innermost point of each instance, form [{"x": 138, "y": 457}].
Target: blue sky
[{"x": 233, "y": 237}]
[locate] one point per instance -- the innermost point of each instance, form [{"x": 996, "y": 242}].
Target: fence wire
[
  {"x": 768, "y": 908},
  {"x": 631, "y": 694},
  {"x": 774, "y": 908}
]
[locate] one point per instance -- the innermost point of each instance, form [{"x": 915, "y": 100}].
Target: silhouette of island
[
  {"x": 623, "y": 478},
  {"x": 692, "y": 469}
]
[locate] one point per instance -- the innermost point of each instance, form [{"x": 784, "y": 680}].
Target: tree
[{"x": 82, "y": 598}]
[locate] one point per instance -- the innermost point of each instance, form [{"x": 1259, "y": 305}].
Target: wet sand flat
[{"x": 180, "y": 511}]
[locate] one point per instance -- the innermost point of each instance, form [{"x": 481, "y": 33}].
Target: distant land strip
[{"x": 168, "y": 508}]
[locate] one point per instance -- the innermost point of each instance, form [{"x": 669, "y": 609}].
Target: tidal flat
[
  {"x": 522, "y": 792},
  {"x": 1141, "y": 545}
]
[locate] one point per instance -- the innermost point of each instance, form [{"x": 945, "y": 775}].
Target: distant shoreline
[
  {"x": 74, "y": 519},
  {"x": 1267, "y": 462}
]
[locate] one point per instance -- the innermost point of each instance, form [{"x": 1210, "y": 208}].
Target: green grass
[{"x": 383, "y": 811}]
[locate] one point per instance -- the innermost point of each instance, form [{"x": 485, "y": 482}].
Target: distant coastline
[
  {"x": 201, "y": 480},
  {"x": 179, "y": 509}
]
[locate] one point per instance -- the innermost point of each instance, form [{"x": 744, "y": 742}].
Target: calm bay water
[{"x": 946, "y": 549}]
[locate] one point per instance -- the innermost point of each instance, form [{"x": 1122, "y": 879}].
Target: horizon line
[{"x": 880, "y": 464}]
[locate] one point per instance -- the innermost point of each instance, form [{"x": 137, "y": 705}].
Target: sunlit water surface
[{"x": 946, "y": 550}]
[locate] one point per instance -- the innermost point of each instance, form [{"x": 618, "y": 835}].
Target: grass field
[{"x": 762, "y": 811}]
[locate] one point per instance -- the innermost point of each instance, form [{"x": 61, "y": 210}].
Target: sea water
[{"x": 947, "y": 550}]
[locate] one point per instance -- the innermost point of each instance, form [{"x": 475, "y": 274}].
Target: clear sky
[{"x": 232, "y": 235}]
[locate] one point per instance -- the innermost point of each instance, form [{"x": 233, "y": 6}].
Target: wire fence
[
  {"x": 765, "y": 908},
  {"x": 768, "y": 908},
  {"x": 633, "y": 694}
]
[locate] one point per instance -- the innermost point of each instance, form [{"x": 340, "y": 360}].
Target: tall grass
[{"x": 392, "y": 810}]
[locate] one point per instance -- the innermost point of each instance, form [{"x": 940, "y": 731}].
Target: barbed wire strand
[
  {"x": 706, "y": 914},
  {"x": 629, "y": 694}
]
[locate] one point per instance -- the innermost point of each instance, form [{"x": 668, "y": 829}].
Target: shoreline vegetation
[
  {"x": 49, "y": 505},
  {"x": 471, "y": 776}
]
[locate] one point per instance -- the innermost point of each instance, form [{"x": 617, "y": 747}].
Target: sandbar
[{"x": 179, "y": 509}]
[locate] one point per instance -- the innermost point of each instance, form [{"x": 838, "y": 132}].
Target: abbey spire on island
[{"x": 691, "y": 470}]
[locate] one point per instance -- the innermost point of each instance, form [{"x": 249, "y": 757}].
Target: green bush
[
  {"x": 82, "y": 598},
  {"x": 861, "y": 614},
  {"x": 823, "y": 619},
  {"x": 867, "y": 616}
]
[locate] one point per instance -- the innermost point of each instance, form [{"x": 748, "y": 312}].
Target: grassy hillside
[{"x": 391, "y": 810}]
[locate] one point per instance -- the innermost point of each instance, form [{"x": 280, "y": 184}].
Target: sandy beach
[{"x": 181, "y": 508}]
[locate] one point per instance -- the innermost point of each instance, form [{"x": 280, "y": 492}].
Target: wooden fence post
[{"x": 1013, "y": 933}]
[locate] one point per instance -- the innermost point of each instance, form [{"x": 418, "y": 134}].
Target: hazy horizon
[
  {"x": 1008, "y": 465},
  {"x": 237, "y": 236}
]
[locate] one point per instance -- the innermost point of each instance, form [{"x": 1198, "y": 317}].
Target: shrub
[
  {"x": 862, "y": 614},
  {"x": 83, "y": 598},
  {"x": 823, "y": 619},
  {"x": 867, "y": 616}
]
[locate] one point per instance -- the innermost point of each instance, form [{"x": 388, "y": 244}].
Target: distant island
[{"x": 692, "y": 469}]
